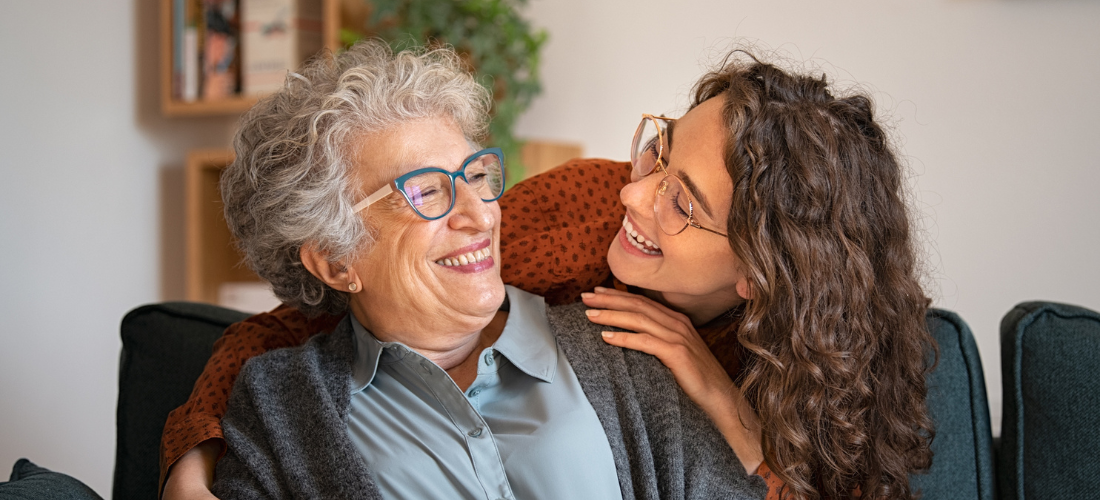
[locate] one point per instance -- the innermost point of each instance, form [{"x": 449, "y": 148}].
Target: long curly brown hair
[{"x": 837, "y": 347}]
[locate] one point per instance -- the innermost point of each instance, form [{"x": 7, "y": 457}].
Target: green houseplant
[{"x": 500, "y": 46}]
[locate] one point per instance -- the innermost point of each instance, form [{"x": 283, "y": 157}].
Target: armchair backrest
[
  {"x": 164, "y": 349},
  {"x": 962, "y": 461},
  {"x": 1050, "y": 441}
]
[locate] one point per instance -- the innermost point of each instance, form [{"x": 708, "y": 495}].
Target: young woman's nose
[{"x": 638, "y": 195}]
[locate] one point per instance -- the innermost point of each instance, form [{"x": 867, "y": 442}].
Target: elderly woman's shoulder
[
  {"x": 568, "y": 322},
  {"x": 582, "y": 341},
  {"x": 322, "y": 353}
]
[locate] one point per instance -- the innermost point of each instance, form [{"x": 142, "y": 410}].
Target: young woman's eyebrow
[
  {"x": 695, "y": 192},
  {"x": 688, "y": 183},
  {"x": 668, "y": 132}
]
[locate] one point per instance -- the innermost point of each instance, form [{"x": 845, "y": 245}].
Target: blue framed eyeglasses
[{"x": 431, "y": 191}]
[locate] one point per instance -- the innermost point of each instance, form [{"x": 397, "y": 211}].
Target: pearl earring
[{"x": 352, "y": 286}]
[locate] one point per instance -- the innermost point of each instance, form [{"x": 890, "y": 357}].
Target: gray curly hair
[{"x": 291, "y": 184}]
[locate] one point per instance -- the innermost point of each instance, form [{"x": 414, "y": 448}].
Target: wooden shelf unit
[
  {"x": 211, "y": 256},
  {"x": 172, "y": 107}
]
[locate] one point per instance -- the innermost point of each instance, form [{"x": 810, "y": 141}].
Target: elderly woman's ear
[{"x": 337, "y": 275}]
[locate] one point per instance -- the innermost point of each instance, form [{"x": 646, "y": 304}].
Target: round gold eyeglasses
[{"x": 673, "y": 206}]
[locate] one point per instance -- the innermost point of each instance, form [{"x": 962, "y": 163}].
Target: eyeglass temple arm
[
  {"x": 696, "y": 225},
  {"x": 377, "y": 195}
]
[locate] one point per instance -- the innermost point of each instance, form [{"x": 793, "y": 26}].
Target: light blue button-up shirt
[{"x": 522, "y": 430}]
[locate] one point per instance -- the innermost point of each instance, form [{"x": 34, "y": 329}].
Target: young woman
[{"x": 767, "y": 240}]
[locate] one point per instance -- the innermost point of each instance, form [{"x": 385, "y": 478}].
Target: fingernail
[
  {"x": 608, "y": 335},
  {"x": 592, "y": 313},
  {"x": 587, "y": 295},
  {"x": 600, "y": 289}
]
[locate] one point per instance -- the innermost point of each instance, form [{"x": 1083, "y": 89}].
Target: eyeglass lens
[
  {"x": 650, "y": 142},
  {"x": 432, "y": 193},
  {"x": 672, "y": 206}
]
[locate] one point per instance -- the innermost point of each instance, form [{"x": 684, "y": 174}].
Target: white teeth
[
  {"x": 466, "y": 258},
  {"x": 640, "y": 242},
  {"x": 645, "y": 250}
]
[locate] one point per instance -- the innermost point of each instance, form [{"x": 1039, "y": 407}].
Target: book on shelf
[
  {"x": 220, "y": 50},
  {"x": 179, "y": 11},
  {"x": 187, "y": 33},
  {"x": 277, "y": 36}
]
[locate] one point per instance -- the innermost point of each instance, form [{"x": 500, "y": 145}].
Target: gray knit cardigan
[{"x": 286, "y": 425}]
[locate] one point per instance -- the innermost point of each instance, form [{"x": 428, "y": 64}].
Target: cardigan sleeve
[
  {"x": 237, "y": 477},
  {"x": 555, "y": 230},
  {"x": 198, "y": 419}
]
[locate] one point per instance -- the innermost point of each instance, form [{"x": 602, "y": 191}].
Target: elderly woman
[{"x": 358, "y": 191}]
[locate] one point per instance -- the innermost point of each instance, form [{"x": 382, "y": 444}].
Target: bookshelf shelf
[{"x": 173, "y": 108}]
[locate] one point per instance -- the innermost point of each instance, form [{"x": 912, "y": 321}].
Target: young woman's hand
[{"x": 670, "y": 336}]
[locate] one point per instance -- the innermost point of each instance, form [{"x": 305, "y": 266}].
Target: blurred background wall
[{"x": 992, "y": 103}]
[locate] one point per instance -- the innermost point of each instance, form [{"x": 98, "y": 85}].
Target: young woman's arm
[{"x": 193, "y": 473}]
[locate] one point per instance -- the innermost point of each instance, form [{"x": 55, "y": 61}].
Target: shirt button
[
  {"x": 475, "y": 391},
  {"x": 488, "y": 359},
  {"x": 475, "y": 433}
]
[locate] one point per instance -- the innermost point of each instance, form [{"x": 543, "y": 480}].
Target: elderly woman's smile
[{"x": 472, "y": 259}]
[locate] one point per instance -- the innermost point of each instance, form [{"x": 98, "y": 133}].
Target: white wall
[
  {"x": 994, "y": 102},
  {"x": 89, "y": 176}
]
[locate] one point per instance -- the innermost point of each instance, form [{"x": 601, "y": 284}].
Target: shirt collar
[
  {"x": 526, "y": 341},
  {"x": 368, "y": 350}
]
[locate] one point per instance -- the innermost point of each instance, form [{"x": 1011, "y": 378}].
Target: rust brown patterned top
[{"x": 555, "y": 231}]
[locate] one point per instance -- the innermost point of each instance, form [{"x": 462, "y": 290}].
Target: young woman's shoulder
[{"x": 556, "y": 227}]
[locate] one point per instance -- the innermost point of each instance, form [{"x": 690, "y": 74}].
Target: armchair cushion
[
  {"x": 1050, "y": 362},
  {"x": 31, "y": 482},
  {"x": 164, "y": 349}
]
